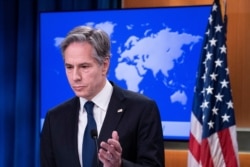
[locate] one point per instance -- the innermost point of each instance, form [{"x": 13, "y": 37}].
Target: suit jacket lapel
[
  {"x": 115, "y": 112},
  {"x": 75, "y": 107}
]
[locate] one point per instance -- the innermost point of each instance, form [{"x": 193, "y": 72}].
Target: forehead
[
  {"x": 79, "y": 47},
  {"x": 79, "y": 50}
]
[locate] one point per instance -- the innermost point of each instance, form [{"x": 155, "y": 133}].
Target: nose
[{"x": 76, "y": 75}]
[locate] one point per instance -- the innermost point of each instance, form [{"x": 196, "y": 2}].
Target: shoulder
[
  {"x": 131, "y": 96},
  {"x": 65, "y": 107}
]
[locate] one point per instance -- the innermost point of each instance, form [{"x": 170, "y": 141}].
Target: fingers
[
  {"x": 114, "y": 145},
  {"x": 107, "y": 156},
  {"x": 115, "y": 141},
  {"x": 109, "y": 146},
  {"x": 111, "y": 151}
]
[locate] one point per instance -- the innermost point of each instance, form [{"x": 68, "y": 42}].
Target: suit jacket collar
[{"x": 114, "y": 113}]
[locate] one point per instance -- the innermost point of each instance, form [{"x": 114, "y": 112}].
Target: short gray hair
[{"x": 98, "y": 38}]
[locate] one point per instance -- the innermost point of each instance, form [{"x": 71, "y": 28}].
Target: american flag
[{"x": 213, "y": 138}]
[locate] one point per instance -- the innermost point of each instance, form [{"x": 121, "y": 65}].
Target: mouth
[{"x": 78, "y": 88}]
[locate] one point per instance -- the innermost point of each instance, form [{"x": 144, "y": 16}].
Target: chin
[{"x": 79, "y": 94}]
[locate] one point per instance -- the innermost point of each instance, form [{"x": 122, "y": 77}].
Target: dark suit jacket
[{"x": 138, "y": 126}]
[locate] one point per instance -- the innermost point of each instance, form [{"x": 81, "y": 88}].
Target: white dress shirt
[{"x": 101, "y": 101}]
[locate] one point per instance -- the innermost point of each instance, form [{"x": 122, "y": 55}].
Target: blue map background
[{"x": 155, "y": 51}]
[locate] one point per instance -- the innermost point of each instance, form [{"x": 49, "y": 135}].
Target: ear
[{"x": 106, "y": 64}]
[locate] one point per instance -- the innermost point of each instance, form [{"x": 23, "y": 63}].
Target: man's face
[{"x": 85, "y": 75}]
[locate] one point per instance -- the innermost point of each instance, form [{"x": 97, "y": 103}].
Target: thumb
[{"x": 115, "y": 135}]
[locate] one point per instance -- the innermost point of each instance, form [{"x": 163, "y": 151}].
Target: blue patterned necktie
[{"x": 89, "y": 154}]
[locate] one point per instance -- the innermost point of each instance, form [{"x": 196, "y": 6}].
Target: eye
[
  {"x": 68, "y": 66},
  {"x": 85, "y": 66}
]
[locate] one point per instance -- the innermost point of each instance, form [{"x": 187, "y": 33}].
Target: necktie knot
[{"x": 89, "y": 107}]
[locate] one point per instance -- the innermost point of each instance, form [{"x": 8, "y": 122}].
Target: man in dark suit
[{"x": 128, "y": 124}]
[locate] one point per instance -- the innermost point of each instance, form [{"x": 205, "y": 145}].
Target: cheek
[
  {"x": 69, "y": 75},
  {"x": 95, "y": 77}
]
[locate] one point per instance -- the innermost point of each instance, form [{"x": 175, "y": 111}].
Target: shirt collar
[{"x": 102, "y": 98}]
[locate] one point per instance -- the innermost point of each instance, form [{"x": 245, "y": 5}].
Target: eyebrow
[{"x": 85, "y": 63}]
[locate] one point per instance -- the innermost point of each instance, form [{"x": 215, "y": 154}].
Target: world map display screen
[{"x": 155, "y": 51}]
